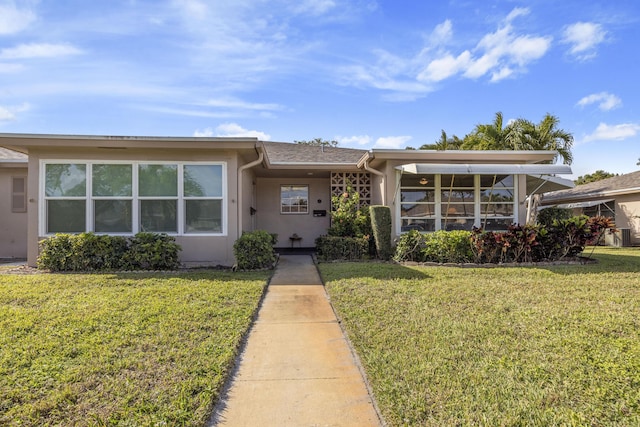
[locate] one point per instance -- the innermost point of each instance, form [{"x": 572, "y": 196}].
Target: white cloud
[
  {"x": 504, "y": 52},
  {"x": 445, "y": 67},
  {"x": 500, "y": 54},
  {"x": 605, "y": 132},
  {"x": 231, "y": 130},
  {"x": 10, "y": 68},
  {"x": 392, "y": 142},
  {"x": 584, "y": 38},
  {"x": 315, "y": 7},
  {"x": 13, "y": 20},
  {"x": 8, "y": 114},
  {"x": 355, "y": 141},
  {"x": 442, "y": 33},
  {"x": 238, "y": 104},
  {"x": 606, "y": 101},
  {"x": 39, "y": 50}
]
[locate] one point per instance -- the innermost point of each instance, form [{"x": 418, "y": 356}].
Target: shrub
[
  {"x": 254, "y": 250},
  {"x": 92, "y": 252},
  {"x": 330, "y": 248},
  {"x": 381, "y": 227},
  {"x": 151, "y": 251},
  {"x": 348, "y": 219},
  {"x": 547, "y": 216},
  {"x": 410, "y": 246},
  {"x": 56, "y": 253},
  {"x": 448, "y": 246}
]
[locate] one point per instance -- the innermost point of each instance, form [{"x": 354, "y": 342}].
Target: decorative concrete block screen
[{"x": 359, "y": 181}]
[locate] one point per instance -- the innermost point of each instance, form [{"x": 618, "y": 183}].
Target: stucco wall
[
  {"x": 269, "y": 218},
  {"x": 197, "y": 250},
  {"x": 628, "y": 215},
  {"x": 13, "y": 225}
]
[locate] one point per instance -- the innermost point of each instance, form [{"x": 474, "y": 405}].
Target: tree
[
  {"x": 491, "y": 136},
  {"x": 543, "y": 136},
  {"x": 596, "y": 176},
  {"x": 521, "y": 134},
  {"x": 444, "y": 143},
  {"x": 319, "y": 142}
]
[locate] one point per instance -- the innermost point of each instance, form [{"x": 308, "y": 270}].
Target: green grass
[
  {"x": 122, "y": 349},
  {"x": 497, "y": 346}
]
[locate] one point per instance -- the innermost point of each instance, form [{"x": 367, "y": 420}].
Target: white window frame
[
  {"x": 135, "y": 198},
  {"x": 291, "y": 186}
]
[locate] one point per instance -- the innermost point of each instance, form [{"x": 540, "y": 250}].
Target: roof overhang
[
  {"x": 485, "y": 169},
  {"x": 587, "y": 204},
  {"x": 377, "y": 156},
  {"x": 22, "y": 143},
  {"x": 538, "y": 184}
]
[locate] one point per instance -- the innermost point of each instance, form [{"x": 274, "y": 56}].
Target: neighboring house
[
  {"x": 617, "y": 197},
  {"x": 207, "y": 191},
  {"x": 13, "y": 204}
]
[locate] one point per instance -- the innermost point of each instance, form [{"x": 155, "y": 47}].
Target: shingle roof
[
  {"x": 617, "y": 184},
  {"x": 11, "y": 156},
  {"x": 283, "y": 152}
]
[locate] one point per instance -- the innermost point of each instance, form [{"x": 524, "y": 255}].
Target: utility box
[{"x": 621, "y": 238}]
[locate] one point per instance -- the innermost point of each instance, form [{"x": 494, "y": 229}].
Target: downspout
[
  {"x": 241, "y": 169},
  {"x": 382, "y": 177}
]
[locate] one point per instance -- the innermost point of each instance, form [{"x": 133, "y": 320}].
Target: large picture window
[
  {"x": 294, "y": 199},
  {"x": 126, "y": 198},
  {"x": 431, "y": 202}
]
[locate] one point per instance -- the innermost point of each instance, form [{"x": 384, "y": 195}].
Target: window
[
  {"x": 497, "y": 199},
  {"x": 18, "y": 194},
  {"x": 130, "y": 197},
  {"x": 432, "y": 202},
  {"x": 65, "y": 198},
  {"x": 294, "y": 199}
]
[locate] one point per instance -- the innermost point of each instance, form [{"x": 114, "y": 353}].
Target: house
[
  {"x": 617, "y": 197},
  {"x": 13, "y": 209},
  {"x": 207, "y": 191}
]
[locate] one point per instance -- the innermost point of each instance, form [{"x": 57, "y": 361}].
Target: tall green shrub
[
  {"x": 254, "y": 250},
  {"x": 381, "y": 226}
]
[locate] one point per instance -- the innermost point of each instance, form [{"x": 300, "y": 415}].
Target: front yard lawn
[
  {"x": 127, "y": 349},
  {"x": 540, "y": 345}
]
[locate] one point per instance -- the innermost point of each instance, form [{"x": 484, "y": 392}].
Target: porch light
[{"x": 424, "y": 181}]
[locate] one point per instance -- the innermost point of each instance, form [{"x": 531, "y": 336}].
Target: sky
[{"x": 367, "y": 73}]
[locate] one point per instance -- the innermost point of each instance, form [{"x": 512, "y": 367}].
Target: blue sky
[{"x": 368, "y": 73}]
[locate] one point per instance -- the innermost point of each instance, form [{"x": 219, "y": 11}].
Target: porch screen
[{"x": 430, "y": 202}]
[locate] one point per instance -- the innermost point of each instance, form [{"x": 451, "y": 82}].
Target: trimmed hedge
[
  {"x": 331, "y": 248},
  {"x": 93, "y": 252},
  {"x": 440, "y": 246},
  {"x": 254, "y": 250}
]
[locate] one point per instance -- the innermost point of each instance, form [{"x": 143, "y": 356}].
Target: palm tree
[
  {"x": 444, "y": 143},
  {"x": 492, "y": 136},
  {"x": 543, "y": 136}
]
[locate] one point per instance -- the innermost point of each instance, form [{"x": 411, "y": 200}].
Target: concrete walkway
[{"x": 297, "y": 368}]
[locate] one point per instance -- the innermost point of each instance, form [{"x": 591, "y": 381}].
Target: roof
[
  {"x": 285, "y": 154},
  {"x": 23, "y": 142},
  {"x": 622, "y": 184},
  {"x": 10, "y": 156}
]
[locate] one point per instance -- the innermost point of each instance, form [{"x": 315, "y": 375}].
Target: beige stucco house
[
  {"x": 13, "y": 208},
  {"x": 617, "y": 197},
  {"x": 207, "y": 191}
]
